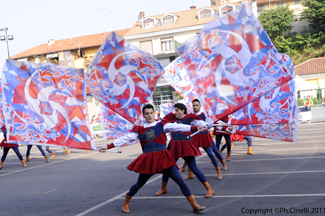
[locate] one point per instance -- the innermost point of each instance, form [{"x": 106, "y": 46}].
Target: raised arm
[
  {"x": 121, "y": 141},
  {"x": 174, "y": 127}
]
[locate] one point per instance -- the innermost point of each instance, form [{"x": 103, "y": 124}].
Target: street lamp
[{"x": 6, "y": 38}]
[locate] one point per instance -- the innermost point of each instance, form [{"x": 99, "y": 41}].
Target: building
[
  {"x": 72, "y": 52},
  {"x": 313, "y": 71}
]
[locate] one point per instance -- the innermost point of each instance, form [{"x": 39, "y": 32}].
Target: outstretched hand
[
  {"x": 102, "y": 150},
  {"x": 202, "y": 128}
]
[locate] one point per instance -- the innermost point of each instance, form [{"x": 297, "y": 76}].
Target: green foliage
[
  {"x": 276, "y": 21},
  {"x": 300, "y": 102},
  {"x": 314, "y": 13},
  {"x": 306, "y": 40},
  {"x": 177, "y": 95},
  {"x": 315, "y": 100}
]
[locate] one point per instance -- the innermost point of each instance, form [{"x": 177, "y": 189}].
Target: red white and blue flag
[
  {"x": 45, "y": 104},
  {"x": 114, "y": 125},
  {"x": 177, "y": 77},
  {"x": 123, "y": 77},
  {"x": 233, "y": 62}
]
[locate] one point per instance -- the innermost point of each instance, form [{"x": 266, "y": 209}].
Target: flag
[
  {"x": 123, "y": 77},
  {"x": 233, "y": 62},
  {"x": 177, "y": 77},
  {"x": 167, "y": 108},
  {"x": 45, "y": 104},
  {"x": 2, "y": 118},
  {"x": 114, "y": 125}
]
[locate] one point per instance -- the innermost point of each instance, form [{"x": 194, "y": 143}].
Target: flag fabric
[
  {"x": 177, "y": 77},
  {"x": 45, "y": 104},
  {"x": 2, "y": 118},
  {"x": 123, "y": 77},
  {"x": 113, "y": 124},
  {"x": 277, "y": 106},
  {"x": 233, "y": 62},
  {"x": 167, "y": 108}
]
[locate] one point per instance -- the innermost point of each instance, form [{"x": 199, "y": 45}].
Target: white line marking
[
  {"x": 46, "y": 164},
  {"x": 235, "y": 196},
  {"x": 272, "y": 159},
  {"x": 269, "y": 173}
]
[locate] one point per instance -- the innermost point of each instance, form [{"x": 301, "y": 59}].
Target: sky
[{"x": 34, "y": 22}]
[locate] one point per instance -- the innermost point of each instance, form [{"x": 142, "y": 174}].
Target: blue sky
[{"x": 33, "y": 22}]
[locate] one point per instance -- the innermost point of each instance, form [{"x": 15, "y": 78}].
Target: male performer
[
  {"x": 7, "y": 146},
  {"x": 225, "y": 134},
  {"x": 155, "y": 158},
  {"x": 204, "y": 140},
  {"x": 182, "y": 146}
]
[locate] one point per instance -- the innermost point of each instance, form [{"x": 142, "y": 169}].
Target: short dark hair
[
  {"x": 196, "y": 100},
  {"x": 181, "y": 107},
  {"x": 147, "y": 106}
]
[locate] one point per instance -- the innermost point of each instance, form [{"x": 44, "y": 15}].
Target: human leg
[
  {"x": 29, "y": 147},
  {"x": 228, "y": 142},
  {"x": 4, "y": 155},
  {"x": 249, "y": 142},
  {"x": 43, "y": 153},
  {"x": 175, "y": 175},
  {"x": 209, "y": 151},
  {"x": 219, "y": 156},
  {"x": 190, "y": 160},
  {"x": 16, "y": 150}
]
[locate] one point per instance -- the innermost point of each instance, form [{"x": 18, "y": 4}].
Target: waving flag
[
  {"x": 177, "y": 77},
  {"x": 167, "y": 108},
  {"x": 123, "y": 77},
  {"x": 45, "y": 104},
  {"x": 114, "y": 125},
  {"x": 2, "y": 118},
  {"x": 233, "y": 62},
  {"x": 273, "y": 116}
]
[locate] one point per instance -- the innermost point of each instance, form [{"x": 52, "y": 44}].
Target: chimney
[
  {"x": 193, "y": 7},
  {"x": 140, "y": 16},
  {"x": 50, "y": 42}
]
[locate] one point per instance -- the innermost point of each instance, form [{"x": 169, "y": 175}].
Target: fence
[{"x": 317, "y": 112}]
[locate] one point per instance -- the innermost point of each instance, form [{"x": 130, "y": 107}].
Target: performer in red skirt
[
  {"x": 7, "y": 146},
  {"x": 204, "y": 140},
  {"x": 155, "y": 158},
  {"x": 182, "y": 146}
]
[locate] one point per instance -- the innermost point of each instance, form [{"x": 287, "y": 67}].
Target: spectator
[{"x": 308, "y": 103}]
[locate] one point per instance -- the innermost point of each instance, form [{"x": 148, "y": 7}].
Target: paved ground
[{"x": 280, "y": 177}]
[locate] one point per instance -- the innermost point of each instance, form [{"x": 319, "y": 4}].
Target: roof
[
  {"x": 311, "y": 66},
  {"x": 68, "y": 44},
  {"x": 185, "y": 19}
]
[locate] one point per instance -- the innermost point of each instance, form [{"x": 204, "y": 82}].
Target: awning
[
  {"x": 52, "y": 55},
  {"x": 303, "y": 85},
  {"x": 22, "y": 59}
]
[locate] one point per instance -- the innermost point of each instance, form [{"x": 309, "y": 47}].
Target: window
[
  {"x": 279, "y": 4},
  {"x": 205, "y": 13},
  {"x": 167, "y": 44},
  {"x": 297, "y": 2},
  {"x": 148, "y": 23},
  {"x": 162, "y": 95},
  {"x": 226, "y": 9},
  {"x": 168, "y": 20},
  {"x": 146, "y": 46},
  {"x": 260, "y": 7}
]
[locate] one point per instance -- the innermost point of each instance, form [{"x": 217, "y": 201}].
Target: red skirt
[
  {"x": 237, "y": 137},
  {"x": 182, "y": 148},
  {"x": 7, "y": 145},
  {"x": 202, "y": 140},
  {"x": 153, "y": 162}
]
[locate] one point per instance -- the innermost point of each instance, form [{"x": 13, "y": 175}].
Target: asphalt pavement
[{"x": 282, "y": 178}]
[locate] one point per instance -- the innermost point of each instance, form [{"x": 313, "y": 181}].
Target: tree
[
  {"x": 276, "y": 21},
  {"x": 314, "y": 13}
]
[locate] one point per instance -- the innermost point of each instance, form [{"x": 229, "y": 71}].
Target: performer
[
  {"x": 7, "y": 146},
  {"x": 204, "y": 140},
  {"x": 155, "y": 158},
  {"x": 29, "y": 147},
  {"x": 181, "y": 146},
  {"x": 239, "y": 138},
  {"x": 225, "y": 134}
]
